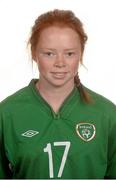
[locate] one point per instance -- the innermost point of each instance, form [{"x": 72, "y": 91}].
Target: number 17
[{"x": 48, "y": 149}]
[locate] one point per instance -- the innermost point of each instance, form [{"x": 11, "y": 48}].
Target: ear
[
  {"x": 81, "y": 59},
  {"x": 34, "y": 57}
]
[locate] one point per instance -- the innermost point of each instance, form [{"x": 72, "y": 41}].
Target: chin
[{"x": 60, "y": 83}]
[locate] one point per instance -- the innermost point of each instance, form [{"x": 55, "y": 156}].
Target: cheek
[
  {"x": 74, "y": 66},
  {"x": 43, "y": 65}
]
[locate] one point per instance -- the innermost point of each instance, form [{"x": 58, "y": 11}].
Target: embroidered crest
[{"x": 86, "y": 131}]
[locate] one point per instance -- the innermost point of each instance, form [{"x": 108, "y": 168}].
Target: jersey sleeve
[
  {"x": 111, "y": 168},
  {"x": 4, "y": 163}
]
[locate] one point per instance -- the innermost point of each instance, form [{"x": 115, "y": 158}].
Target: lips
[{"x": 59, "y": 74}]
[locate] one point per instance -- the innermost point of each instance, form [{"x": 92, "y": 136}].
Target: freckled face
[{"x": 58, "y": 54}]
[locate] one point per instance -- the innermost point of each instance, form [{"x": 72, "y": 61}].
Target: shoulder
[
  {"x": 16, "y": 99},
  {"x": 100, "y": 102}
]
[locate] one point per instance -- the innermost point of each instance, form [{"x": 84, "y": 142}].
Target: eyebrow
[{"x": 52, "y": 49}]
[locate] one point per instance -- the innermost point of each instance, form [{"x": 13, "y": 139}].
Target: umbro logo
[{"x": 30, "y": 133}]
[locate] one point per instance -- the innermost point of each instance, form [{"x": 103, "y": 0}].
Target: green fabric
[{"x": 77, "y": 142}]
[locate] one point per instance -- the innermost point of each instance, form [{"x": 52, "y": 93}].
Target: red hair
[{"x": 59, "y": 18}]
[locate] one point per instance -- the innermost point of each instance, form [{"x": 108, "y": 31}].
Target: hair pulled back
[{"x": 60, "y": 18}]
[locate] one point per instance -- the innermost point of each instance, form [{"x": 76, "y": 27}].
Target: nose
[{"x": 60, "y": 61}]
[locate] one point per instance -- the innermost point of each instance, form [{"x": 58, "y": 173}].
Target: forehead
[{"x": 59, "y": 35}]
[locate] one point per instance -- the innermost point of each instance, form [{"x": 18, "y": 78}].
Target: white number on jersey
[{"x": 48, "y": 149}]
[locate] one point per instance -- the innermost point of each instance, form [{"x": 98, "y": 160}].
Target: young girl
[{"x": 56, "y": 127}]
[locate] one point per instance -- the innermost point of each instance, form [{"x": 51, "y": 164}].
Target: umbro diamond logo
[{"x": 30, "y": 133}]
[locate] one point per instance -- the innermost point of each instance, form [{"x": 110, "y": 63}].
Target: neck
[{"x": 54, "y": 95}]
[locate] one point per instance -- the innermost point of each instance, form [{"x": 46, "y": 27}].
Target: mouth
[
  {"x": 58, "y": 72},
  {"x": 59, "y": 75}
]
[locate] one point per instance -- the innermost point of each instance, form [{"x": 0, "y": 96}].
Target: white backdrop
[{"x": 99, "y": 19}]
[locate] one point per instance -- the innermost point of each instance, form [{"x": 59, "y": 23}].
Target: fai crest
[{"x": 86, "y": 131}]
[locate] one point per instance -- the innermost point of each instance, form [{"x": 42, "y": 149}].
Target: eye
[
  {"x": 70, "y": 54},
  {"x": 49, "y": 53}
]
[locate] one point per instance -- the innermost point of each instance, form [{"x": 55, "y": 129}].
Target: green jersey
[{"x": 77, "y": 142}]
